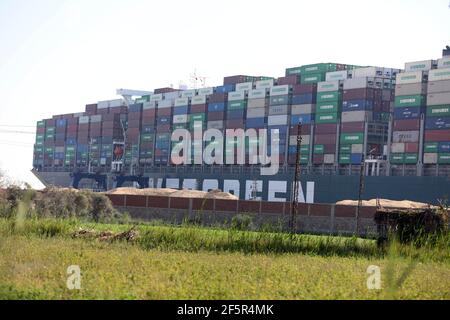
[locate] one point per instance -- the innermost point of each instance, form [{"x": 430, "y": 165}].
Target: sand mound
[
  {"x": 214, "y": 194},
  {"x": 386, "y": 203}
]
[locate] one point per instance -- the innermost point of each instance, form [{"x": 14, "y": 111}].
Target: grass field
[{"x": 197, "y": 263}]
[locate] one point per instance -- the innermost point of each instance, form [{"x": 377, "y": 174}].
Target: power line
[
  {"x": 16, "y": 131},
  {"x": 15, "y": 126}
]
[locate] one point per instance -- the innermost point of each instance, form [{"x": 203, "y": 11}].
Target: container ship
[{"x": 371, "y": 131}]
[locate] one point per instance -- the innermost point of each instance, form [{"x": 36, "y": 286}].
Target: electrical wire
[{"x": 16, "y": 131}]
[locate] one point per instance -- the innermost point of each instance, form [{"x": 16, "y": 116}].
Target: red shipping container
[
  {"x": 325, "y": 138},
  {"x": 325, "y": 128},
  {"x": 411, "y": 147},
  {"x": 50, "y": 122},
  {"x": 234, "y": 79},
  {"x": 118, "y": 110},
  {"x": 164, "y": 112},
  {"x": 198, "y": 108},
  {"x": 235, "y": 124},
  {"x": 218, "y": 97},
  {"x": 91, "y": 108},
  {"x": 304, "y": 88},
  {"x": 407, "y": 125},
  {"x": 103, "y": 111},
  {"x": 165, "y": 90},
  {"x": 40, "y": 130},
  {"x": 329, "y": 148},
  {"x": 437, "y": 135},
  {"x": 148, "y": 121},
  {"x": 358, "y": 94},
  {"x": 72, "y": 121},
  {"x": 318, "y": 158},
  {"x": 289, "y": 80},
  {"x": 163, "y": 128},
  {"x": 306, "y": 129},
  {"x": 215, "y": 116},
  {"x": 149, "y": 113},
  {"x": 352, "y": 127}
]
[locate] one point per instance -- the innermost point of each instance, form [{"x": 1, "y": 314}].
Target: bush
[
  {"x": 242, "y": 222},
  {"x": 407, "y": 226}
]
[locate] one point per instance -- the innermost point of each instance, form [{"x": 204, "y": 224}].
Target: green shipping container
[
  {"x": 411, "y": 158},
  {"x": 180, "y": 126},
  {"x": 352, "y": 138},
  {"x": 328, "y": 107},
  {"x": 344, "y": 158},
  {"x": 49, "y": 136},
  {"x": 329, "y": 96},
  {"x": 319, "y": 149},
  {"x": 197, "y": 117},
  {"x": 312, "y": 78},
  {"x": 50, "y": 130},
  {"x": 397, "y": 158},
  {"x": 237, "y": 105},
  {"x": 147, "y": 137},
  {"x": 318, "y": 68},
  {"x": 304, "y": 149},
  {"x": 430, "y": 147},
  {"x": 326, "y": 118},
  {"x": 40, "y": 124},
  {"x": 39, "y": 137},
  {"x": 438, "y": 111},
  {"x": 409, "y": 101},
  {"x": 346, "y": 149},
  {"x": 292, "y": 71},
  {"x": 444, "y": 158}
]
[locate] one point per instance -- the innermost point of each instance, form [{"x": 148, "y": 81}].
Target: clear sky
[{"x": 58, "y": 55}]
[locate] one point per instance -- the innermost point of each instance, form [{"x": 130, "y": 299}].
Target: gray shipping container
[
  {"x": 439, "y": 86},
  {"x": 430, "y": 158},
  {"x": 437, "y": 99},
  {"x": 356, "y": 116},
  {"x": 303, "y": 109},
  {"x": 256, "y": 113},
  {"x": 278, "y": 110},
  {"x": 256, "y": 103},
  {"x": 215, "y": 124},
  {"x": 405, "y": 136},
  {"x": 411, "y": 89}
]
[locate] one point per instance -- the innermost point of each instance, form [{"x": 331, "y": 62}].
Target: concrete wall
[{"x": 311, "y": 218}]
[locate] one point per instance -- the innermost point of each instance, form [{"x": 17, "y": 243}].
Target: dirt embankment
[
  {"x": 214, "y": 194},
  {"x": 385, "y": 203}
]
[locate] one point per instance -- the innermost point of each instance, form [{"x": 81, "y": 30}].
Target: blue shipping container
[
  {"x": 148, "y": 129},
  {"x": 135, "y": 108},
  {"x": 301, "y": 118},
  {"x": 407, "y": 113},
  {"x": 437, "y": 123},
  {"x": 282, "y": 129},
  {"x": 357, "y": 105},
  {"x": 307, "y": 98},
  {"x": 444, "y": 147},
  {"x": 163, "y": 120},
  {"x": 255, "y": 122},
  {"x": 235, "y": 114},
  {"x": 61, "y": 123},
  {"x": 180, "y": 110},
  {"x": 71, "y": 141},
  {"x": 216, "y": 106},
  {"x": 356, "y": 158},
  {"x": 225, "y": 88}
]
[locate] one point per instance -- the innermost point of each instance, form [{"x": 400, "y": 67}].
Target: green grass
[{"x": 199, "y": 263}]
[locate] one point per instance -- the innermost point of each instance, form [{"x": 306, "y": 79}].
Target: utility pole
[
  {"x": 293, "y": 220},
  {"x": 360, "y": 192}
]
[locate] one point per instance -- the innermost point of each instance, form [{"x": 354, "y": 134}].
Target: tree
[{"x": 3, "y": 181}]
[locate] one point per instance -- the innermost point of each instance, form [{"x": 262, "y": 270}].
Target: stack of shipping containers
[
  {"x": 437, "y": 128},
  {"x": 277, "y": 115},
  {"x": 409, "y": 107}
]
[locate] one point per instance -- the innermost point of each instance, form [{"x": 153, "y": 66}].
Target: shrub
[
  {"x": 242, "y": 222},
  {"x": 417, "y": 226}
]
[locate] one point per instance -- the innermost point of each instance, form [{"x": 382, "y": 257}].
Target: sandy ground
[
  {"x": 385, "y": 203},
  {"x": 214, "y": 194}
]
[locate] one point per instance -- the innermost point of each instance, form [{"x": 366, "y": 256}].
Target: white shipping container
[
  {"x": 79, "y": 114},
  {"x": 165, "y": 104},
  {"x": 278, "y": 110},
  {"x": 256, "y": 103},
  {"x": 198, "y": 100},
  {"x": 430, "y": 158},
  {"x": 306, "y": 140},
  {"x": 410, "y": 77},
  {"x": 437, "y": 99},
  {"x": 156, "y": 97},
  {"x": 303, "y": 109},
  {"x": 367, "y": 72},
  {"x": 424, "y": 65},
  {"x": 256, "y": 113},
  {"x": 96, "y": 118},
  {"x": 236, "y": 96},
  {"x": 83, "y": 120},
  {"x": 398, "y": 147},
  {"x": 257, "y": 94},
  {"x": 439, "y": 75},
  {"x": 215, "y": 124},
  {"x": 279, "y": 90},
  {"x": 205, "y": 91},
  {"x": 188, "y": 93},
  {"x": 182, "y": 118},
  {"x": 245, "y": 86},
  {"x": 172, "y": 95},
  {"x": 356, "y": 116},
  {"x": 444, "y": 63},
  {"x": 328, "y": 86},
  {"x": 181, "y": 102},
  {"x": 149, "y": 105},
  {"x": 328, "y": 158},
  {"x": 277, "y": 120},
  {"x": 264, "y": 84},
  {"x": 405, "y": 136},
  {"x": 336, "y": 75},
  {"x": 438, "y": 86},
  {"x": 357, "y": 148},
  {"x": 358, "y": 83}
]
